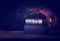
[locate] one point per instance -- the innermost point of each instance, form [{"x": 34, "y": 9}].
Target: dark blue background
[{"x": 8, "y": 16}]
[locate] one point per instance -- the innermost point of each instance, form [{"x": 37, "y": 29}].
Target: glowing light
[
  {"x": 33, "y": 21},
  {"x": 26, "y": 21},
  {"x": 29, "y": 21},
  {"x": 50, "y": 20},
  {"x": 39, "y": 21}
]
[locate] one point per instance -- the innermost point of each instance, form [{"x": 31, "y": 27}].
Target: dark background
[{"x": 8, "y": 16}]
